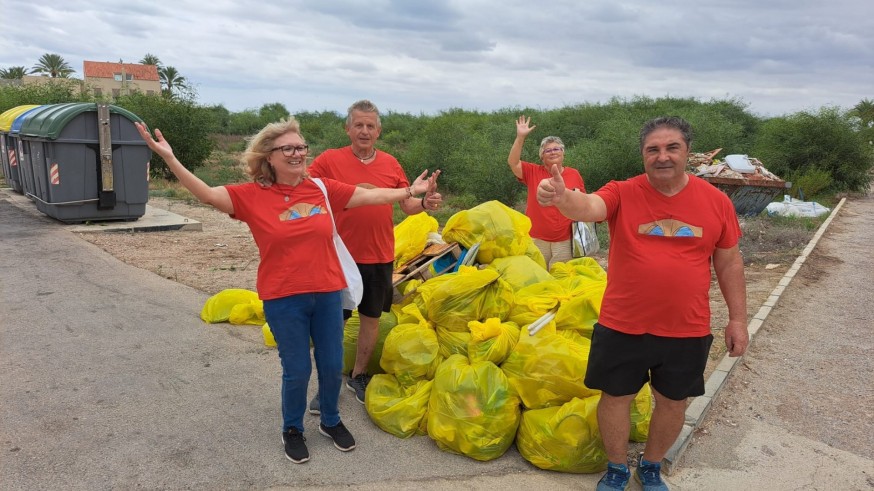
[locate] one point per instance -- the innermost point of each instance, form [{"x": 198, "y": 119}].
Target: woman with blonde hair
[{"x": 300, "y": 278}]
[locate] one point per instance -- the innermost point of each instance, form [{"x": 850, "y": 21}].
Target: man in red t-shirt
[
  {"x": 368, "y": 231},
  {"x": 666, "y": 229},
  {"x": 550, "y": 230}
]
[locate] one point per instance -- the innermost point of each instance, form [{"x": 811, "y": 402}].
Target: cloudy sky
[{"x": 777, "y": 56}]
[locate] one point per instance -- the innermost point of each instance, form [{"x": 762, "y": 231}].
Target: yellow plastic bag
[
  {"x": 500, "y": 230},
  {"x": 397, "y": 409},
  {"x": 387, "y": 322},
  {"x": 411, "y": 351},
  {"x": 564, "y": 438},
  {"x": 470, "y": 294},
  {"x": 411, "y": 236},
  {"x": 472, "y": 410},
  {"x": 491, "y": 340},
  {"x": 251, "y": 313},
  {"x": 452, "y": 342},
  {"x": 269, "y": 341},
  {"x": 577, "y": 297},
  {"x": 641, "y": 414},
  {"x": 520, "y": 271},
  {"x": 217, "y": 308},
  {"x": 548, "y": 368},
  {"x": 583, "y": 266}
]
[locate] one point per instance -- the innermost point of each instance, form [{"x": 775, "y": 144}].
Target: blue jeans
[{"x": 294, "y": 320}]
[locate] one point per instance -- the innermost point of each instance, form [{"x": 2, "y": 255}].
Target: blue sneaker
[
  {"x": 649, "y": 475},
  {"x": 616, "y": 478}
]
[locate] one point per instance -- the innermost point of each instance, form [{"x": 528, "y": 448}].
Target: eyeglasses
[
  {"x": 553, "y": 150},
  {"x": 288, "y": 150}
]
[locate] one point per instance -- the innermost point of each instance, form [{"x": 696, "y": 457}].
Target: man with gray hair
[
  {"x": 666, "y": 230},
  {"x": 368, "y": 231}
]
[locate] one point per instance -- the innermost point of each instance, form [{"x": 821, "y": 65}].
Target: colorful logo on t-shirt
[
  {"x": 668, "y": 227},
  {"x": 301, "y": 210}
]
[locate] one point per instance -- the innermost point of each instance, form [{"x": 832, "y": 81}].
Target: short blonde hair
[{"x": 261, "y": 144}]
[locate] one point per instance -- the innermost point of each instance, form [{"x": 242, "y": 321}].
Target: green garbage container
[
  {"x": 8, "y": 154},
  {"x": 88, "y": 162}
]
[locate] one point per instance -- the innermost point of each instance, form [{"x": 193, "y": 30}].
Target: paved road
[{"x": 108, "y": 379}]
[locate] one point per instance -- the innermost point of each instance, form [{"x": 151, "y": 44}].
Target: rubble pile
[{"x": 706, "y": 165}]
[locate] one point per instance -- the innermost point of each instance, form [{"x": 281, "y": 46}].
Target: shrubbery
[{"x": 823, "y": 152}]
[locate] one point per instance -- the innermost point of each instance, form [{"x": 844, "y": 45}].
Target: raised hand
[
  {"x": 159, "y": 146},
  {"x": 423, "y": 183},
  {"x": 549, "y": 191},
  {"x": 523, "y": 126},
  {"x": 433, "y": 199}
]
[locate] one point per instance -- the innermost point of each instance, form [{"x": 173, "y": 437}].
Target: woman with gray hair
[{"x": 550, "y": 230}]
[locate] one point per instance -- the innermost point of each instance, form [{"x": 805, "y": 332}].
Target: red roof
[{"x": 105, "y": 69}]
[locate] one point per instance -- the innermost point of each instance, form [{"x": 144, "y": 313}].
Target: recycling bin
[
  {"x": 87, "y": 162},
  {"x": 8, "y": 154}
]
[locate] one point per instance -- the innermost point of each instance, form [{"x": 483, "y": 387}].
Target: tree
[
  {"x": 13, "y": 72},
  {"x": 270, "y": 113},
  {"x": 171, "y": 81},
  {"x": 150, "y": 59},
  {"x": 54, "y": 65}
]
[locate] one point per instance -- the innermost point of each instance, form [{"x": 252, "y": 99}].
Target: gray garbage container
[
  {"x": 8, "y": 150},
  {"x": 88, "y": 162}
]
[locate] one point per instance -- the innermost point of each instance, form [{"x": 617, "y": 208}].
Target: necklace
[{"x": 362, "y": 159}]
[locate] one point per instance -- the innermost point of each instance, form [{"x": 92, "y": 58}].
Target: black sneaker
[
  {"x": 358, "y": 384},
  {"x": 315, "y": 407},
  {"x": 341, "y": 436},
  {"x": 295, "y": 448}
]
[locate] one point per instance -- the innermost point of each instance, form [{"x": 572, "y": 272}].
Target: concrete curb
[
  {"x": 699, "y": 406},
  {"x": 153, "y": 220}
]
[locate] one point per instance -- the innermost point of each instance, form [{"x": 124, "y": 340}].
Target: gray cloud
[{"x": 779, "y": 56}]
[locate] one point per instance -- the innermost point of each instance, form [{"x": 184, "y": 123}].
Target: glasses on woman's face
[
  {"x": 553, "y": 150},
  {"x": 289, "y": 150}
]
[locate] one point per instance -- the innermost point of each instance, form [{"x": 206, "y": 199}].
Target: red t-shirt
[
  {"x": 547, "y": 223},
  {"x": 294, "y": 237},
  {"x": 368, "y": 231},
  {"x": 658, "y": 279}
]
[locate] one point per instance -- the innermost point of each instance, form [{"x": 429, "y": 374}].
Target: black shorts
[
  {"x": 619, "y": 363},
  {"x": 378, "y": 290}
]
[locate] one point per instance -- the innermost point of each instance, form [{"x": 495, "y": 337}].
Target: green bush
[
  {"x": 60, "y": 91},
  {"x": 185, "y": 125},
  {"x": 828, "y": 140}
]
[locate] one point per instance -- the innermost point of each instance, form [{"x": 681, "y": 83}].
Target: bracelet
[
  {"x": 423, "y": 203},
  {"x": 409, "y": 192}
]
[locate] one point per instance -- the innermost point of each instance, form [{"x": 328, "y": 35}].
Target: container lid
[
  {"x": 740, "y": 163},
  {"x": 16, "y": 124},
  {"x": 50, "y": 121},
  {"x": 8, "y": 116}
]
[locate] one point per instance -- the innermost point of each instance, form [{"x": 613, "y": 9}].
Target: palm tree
[
  {"x": 171, "y": 80},
  {"x": 13, "y": 72},
  {"x": 54, "y": 65},
  {"x": 150, "y": 59}
]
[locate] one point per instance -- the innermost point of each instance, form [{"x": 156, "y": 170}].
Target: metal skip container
[
  {"x": 87, "y": 160},
  {"x": 8, "y": 150}
]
